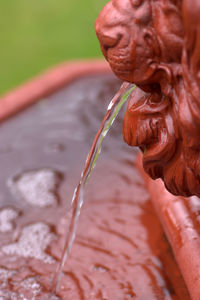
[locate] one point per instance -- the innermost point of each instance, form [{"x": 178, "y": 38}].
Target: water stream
[{"x": 77, "y": 200}]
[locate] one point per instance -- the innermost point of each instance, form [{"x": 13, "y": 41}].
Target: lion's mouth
[
  {"x": 149, "y": 125},
  {"x": 142, "y": 118}
]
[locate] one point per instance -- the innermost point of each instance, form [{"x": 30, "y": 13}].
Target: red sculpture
[{"x": 156, "y": 45}]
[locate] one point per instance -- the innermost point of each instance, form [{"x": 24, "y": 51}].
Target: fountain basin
[
  {"x": 120, "y": 251},
  {"x": 180, "y": 219}
]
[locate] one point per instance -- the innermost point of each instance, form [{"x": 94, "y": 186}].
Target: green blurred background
[{"x": 37, "y": 34}]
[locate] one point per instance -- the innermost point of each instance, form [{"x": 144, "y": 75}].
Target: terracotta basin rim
[{"x": 48, "y": 82}]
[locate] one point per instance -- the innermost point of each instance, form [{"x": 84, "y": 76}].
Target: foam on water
[
  {"x": 5, "y": 275},
  {"x": 32, "y": 243},
  {"x": 30, "y": 284},
  {"x": 11, "y": 296},
  {"x": 38, "y": 187},
  {"x": 29, "y": 288},
  {"x": 7, "y": 215},
  {"x": 27, "y": 293}
]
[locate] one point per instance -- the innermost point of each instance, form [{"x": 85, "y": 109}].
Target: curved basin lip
[
  {"x": 180, "y": 226},
  {"x": 47, "y": 83}
]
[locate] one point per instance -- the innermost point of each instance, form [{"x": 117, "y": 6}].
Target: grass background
[{"x": 37, "y": 34}]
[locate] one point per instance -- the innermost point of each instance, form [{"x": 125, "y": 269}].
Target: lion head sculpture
[{"x": 156, "y": 45}]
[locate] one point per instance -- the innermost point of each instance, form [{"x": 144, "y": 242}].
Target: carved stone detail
[{"x": 156, "y": 45}]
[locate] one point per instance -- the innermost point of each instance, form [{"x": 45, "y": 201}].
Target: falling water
[{"x": 77, "y": 200}]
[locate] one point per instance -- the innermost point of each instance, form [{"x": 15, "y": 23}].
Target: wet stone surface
[{"x": 120, "y": 252}]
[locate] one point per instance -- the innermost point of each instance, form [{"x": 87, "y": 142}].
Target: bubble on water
[
  {"x": 38, "y": 187},
  {"x": 7, "y": 215},
  {"x": 32, "y": 243}
]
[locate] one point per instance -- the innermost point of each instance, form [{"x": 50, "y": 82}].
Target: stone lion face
[
  {"x": 144, "y": 43},
  {"x": 123, "y": 43}
]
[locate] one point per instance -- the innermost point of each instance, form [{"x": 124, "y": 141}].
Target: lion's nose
[{"x": 107, "y": 33}]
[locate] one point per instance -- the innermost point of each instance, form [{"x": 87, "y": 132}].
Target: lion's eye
[
  {"x": 136, "y": 3},
  {"x": 109, "y": 42}
]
